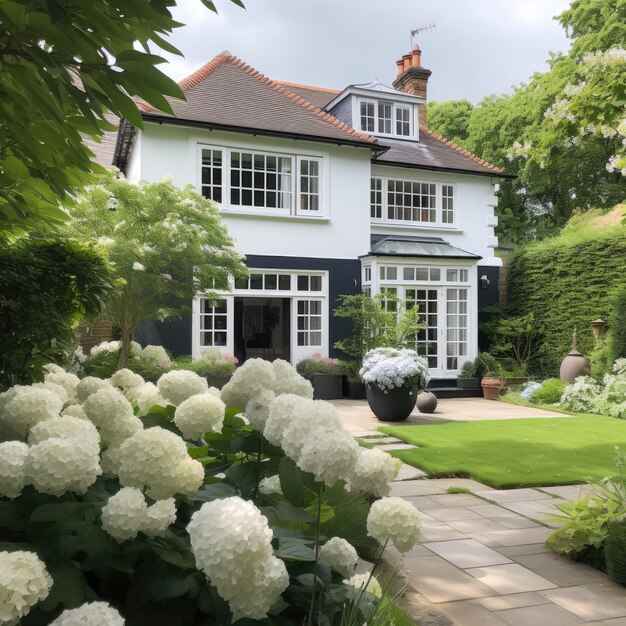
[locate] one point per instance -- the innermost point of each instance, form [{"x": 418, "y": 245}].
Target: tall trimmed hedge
[{"x": 566, "y": 283}]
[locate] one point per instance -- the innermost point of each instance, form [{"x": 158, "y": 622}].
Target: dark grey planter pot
[
  {"x": 217, "y": 381},
  {"x": 468, "y": 383},
  {"x": 326, "y": 386},
  {"x": 394, "y": 406},
  {"x": 352, "y": 390}
]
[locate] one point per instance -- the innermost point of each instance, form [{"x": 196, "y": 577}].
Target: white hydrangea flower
[
  {"x": 178, "y": 385},
  {"x": 125, "y": 379},
  {"x": 12, "y": 476},
  {"x": 389, "y": 368},
  {"x": 214, "y": 391},
  {"x": 62, "y": 464},
  {"x": 105, "y": 347},
  {"x": 55, "y": 388},
  {"x": 270, "y": 484},
  {"x": 231, "y": 541},
  {"x": 75, "y": 410},
  {"x": 373, "y": 586},
  {"x": 157, "y": 459},
  {"x": 29, "y": 405},
  {"x": 340, "y": 555},
  {"x": 90, "y": 614},
  {"x": 89, "y": 385},
  {"x": 67, "y": 426},
  {"x": 396, "y": 520},
  {"x": 113, "y": 414},
  {"x": 110, "y": 460},
  {"x": 148, "y": 396},
  {"x": 24, "y": 581},
  {"x": 53, "y": 368},
  {"x": 289, "y": 381},
  {"x": 159, "y": 517},
  {"x": 199, "y": 414},
  {"x": 258, "y": 409},
  {"x": 124, "y": 513},
  {"x": 248, "y": 381},
  {"x": 157, "y": 355},
  {"x": 68, "y": 381},
  {"x": 373, "y": 470},
  {"x": 581, "y": 395},
  {"x": 312, "y": 434}
]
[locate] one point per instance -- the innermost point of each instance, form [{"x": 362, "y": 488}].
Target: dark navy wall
[
  {"x": 487, "y": 297},
  {"x": 344, "y": 278}
]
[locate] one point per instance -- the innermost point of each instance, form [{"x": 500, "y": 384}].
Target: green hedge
[{"x": 566, "y": 282}]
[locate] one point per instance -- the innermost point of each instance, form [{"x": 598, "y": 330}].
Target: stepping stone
[
  {"x": 414, "y": 488},
  {"x": 514, "y": 495},
  {"x": 539, "y": 614},
  {"x": 465, "y": 553},
  {"x": 366, "y": 433},
  {"x": 586, "y": 603},
  {"x": 408, "y": 472},
  {"x": 396, "y": 446},
  {"x": 511, "y": 578},
  {"x": 379, "y": 440}
]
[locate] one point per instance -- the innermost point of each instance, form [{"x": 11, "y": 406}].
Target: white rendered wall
[
  {"x": 133, "y": 171},
  {"x": 343, "y": 234},
  {"x": 474, "y": 219}
]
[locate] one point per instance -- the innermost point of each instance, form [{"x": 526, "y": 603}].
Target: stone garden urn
[{"x": 574, "y": 364}]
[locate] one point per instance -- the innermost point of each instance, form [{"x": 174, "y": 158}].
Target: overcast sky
[{"x": 479, "y": 46}]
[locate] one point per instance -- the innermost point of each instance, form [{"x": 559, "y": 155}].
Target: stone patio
[{"x": 482, "y": 560}]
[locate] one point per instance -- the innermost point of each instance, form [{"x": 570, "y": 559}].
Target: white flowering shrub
[
  {"x": 157, "y": 355},
  {"x": 395, "y": 520},
  {"x": 389, "y": 368},
  {"x": 581, "y": 395},
  {"x": 161, "y": 501},
  {"x": 24, "y": 581}
]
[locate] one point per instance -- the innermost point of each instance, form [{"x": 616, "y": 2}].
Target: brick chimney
[{"x": 413, "y": 78}]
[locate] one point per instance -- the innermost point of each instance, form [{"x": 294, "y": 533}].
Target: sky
[{"x": 478, "y": 47}]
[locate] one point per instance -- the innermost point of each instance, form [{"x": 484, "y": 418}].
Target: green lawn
[{"x": 516, "y": 452}]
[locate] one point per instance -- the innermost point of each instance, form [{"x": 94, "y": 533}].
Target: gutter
[{"x": 435, "y": 168}]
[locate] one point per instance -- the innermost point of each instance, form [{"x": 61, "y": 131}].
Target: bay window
[{"x": 251, "y": 180}]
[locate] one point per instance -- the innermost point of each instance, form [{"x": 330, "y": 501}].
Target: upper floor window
[
  {"x": 257, "y": 180},
  {"x": 411, "y": 201},
  {"x": 386, "y": 118},
  {"x": 367, "y": 116}
]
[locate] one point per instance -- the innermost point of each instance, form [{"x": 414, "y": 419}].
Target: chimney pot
[
  {"x": 400, "y": 64},
  {"x": 407, "y": 61},
  {"x": 416, "y": 56}
]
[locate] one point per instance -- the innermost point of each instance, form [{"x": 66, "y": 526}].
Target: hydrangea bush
[
  {"x": 125, "y": 502},
  {"x": 389, "y": 368}
]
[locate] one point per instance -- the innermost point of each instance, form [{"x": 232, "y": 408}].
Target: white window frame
[
  {"x": 438, "y": 223},
  {"x": 297, "y": 352},
  {"x": 395, "y": 107},
  {"x": 320, "y": 190},
  {"x": 296, "y": 159}
]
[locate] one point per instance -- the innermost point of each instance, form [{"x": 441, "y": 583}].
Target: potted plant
[
  {"x": 393, "y": 378},
  {"x": 491, "y": 372},
  {"x": 214, "y": 365},
  {"x": 373, "y": 325},
  {"x": 325, "y": 375},
  {"x": 468, "y": 378}
]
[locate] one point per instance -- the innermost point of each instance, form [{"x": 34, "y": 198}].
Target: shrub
[
  {"x": 46, "y": 287},
  {"x": 600, "y": 359},
  {"x": 118, "y": 506},
  {"x": 549, "y": 392},
  {"x": 581, "y": 395},
  {"x": 468, "y": 370},
  {"x": 319, "y": 365},
  {"x": 558, "y": 280},
  {"x": 617, "y": 324},
  {"x": 615, "y": 551},
  {"x": 487, "y": 365}
]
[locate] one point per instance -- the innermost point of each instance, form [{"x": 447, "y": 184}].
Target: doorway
[{"x": 262, "y": 328}]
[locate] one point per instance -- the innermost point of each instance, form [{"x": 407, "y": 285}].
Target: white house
[{"x": 326, "y": 193}]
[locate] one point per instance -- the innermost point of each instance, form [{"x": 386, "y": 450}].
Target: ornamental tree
[
  {"x": 167, "y": 244},
  {"x": 63, "y": 65}
]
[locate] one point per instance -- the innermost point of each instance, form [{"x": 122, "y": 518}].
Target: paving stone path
[{"x": 482, "y": 560}]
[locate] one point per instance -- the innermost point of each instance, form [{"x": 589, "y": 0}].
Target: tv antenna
[{"x": 422, "y": 29}]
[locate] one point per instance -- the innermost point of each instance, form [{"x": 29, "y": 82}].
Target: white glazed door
[{"x": 308, "y": 327}]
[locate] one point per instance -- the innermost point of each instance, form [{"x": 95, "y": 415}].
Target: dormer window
[{"x": 387, "y": 118}]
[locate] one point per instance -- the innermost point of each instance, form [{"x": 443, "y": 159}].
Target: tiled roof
[
  {"x": 432, "y": 150},
  {"x": 103, "y": 151},
  {"x": 226, "y": 92}
]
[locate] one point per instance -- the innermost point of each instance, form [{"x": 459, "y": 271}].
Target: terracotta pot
[{"x": 491, "y": 387}]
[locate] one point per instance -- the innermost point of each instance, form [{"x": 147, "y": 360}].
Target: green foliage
[
  {"x": 617, "y": 323},
  {"x": 63, "y": 66},
  {"x": 450, "y": 119},
  {"x": 564, "y": 282},
  {"x": 586, "y": 522},
  {"x": 167, "y": 244},
  {"x": 549, "y": 393},
  {"x": 487, "y": 365},
  {"x": 517, "y": 339},
  {"x": 381, "y": 321},
  {"x": 46, "y": 287},
  {"x": 311, "y": 366},
  {"x": 615, "y": 551},
  {"x": 600, "y": 359}
]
